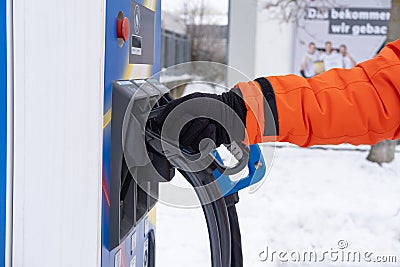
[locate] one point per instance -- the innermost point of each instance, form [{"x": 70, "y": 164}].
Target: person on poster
[
  {"x": 331, "y": 58},
  {"x": 307, "y": 66},
  {"x": 348, "y": 61}
]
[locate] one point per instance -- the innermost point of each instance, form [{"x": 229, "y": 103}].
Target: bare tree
[
  {"x": 202, "y": 28},
  {"x": 295, "y": 10}
]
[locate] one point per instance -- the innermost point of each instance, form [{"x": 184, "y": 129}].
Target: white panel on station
[{"x": 58, "y": 101}]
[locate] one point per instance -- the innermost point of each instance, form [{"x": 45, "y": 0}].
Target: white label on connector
[
  {"x": 133, "y": 243},
  {"x": 146, "y": 226},
  {"x": 117, "y": 262}
]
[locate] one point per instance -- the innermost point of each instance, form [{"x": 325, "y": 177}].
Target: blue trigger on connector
[{"x": 256, "y": 167}]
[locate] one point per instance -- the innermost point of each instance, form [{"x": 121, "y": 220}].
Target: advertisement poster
[{"x": 339, "y": 34}]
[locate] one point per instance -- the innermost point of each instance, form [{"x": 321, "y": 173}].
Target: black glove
[{"x": 220, "y": 118}]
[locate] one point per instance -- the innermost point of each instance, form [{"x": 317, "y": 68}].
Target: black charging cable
[
  {"x": 219, "y": 211},
  {"x": 222, "y": 220},
  {"x": 216, "y": 215},
  {"x": 236, "y": 239}
]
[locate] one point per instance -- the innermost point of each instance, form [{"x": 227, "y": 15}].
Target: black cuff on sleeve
[
  {"x": 234, "y": 99},
  {"x": 271, "y": 127}
]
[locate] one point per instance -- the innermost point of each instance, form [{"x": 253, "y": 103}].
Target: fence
[{"x": 176, "y": 48}]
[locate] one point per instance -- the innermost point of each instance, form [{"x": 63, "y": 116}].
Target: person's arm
[
  {"x": 303, "y": 65},
  {"x": 357, "y": 106},
  {"x": 353, "y": 62}
]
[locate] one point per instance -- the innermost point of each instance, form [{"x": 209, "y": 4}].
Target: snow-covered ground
[{"x": 310, "y": 201}]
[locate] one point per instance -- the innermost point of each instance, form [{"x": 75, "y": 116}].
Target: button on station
[{"x": 123, "y": 27}]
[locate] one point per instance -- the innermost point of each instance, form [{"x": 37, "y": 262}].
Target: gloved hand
[{"x": 220, "y": 118}]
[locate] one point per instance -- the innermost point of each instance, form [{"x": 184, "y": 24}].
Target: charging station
[
  {"x": 68, "y": 193},
  {"x": 132, "y": 52},
  {"x": 66, "y": 203}
]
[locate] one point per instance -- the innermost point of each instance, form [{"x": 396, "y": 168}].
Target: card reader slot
[
  {"x": 127, "y": 202},
  {"x": 141, "y": 200},
  {"x": 154, "y": 191}
]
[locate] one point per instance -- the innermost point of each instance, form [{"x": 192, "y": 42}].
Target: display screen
[{"x": 136, "y": 48}]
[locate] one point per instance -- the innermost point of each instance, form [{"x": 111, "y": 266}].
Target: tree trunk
[{"x": 385, "y": 150}]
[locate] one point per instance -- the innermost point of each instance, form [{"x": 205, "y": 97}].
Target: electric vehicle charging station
[
  {"x": 128, "y": 213},
  {"x": 63, "y": 187},
  {"x": 62, "y": 203},
  {"x": 128, "y": 204}
]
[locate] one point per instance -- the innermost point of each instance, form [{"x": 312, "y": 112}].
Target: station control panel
[{"x": 129, "y": 195}]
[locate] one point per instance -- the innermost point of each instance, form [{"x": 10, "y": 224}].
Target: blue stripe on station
[{"x": 3, "y": 128}]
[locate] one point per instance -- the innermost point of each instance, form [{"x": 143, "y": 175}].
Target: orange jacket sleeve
[{"x": 357, "y": 106}]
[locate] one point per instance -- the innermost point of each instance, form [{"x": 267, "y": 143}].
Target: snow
[
  {"x": 170, "y": 78},
  {"x": 310, "y": 200}
]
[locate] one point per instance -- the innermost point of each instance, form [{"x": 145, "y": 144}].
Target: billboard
[{"x": 339, "y": 34}]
